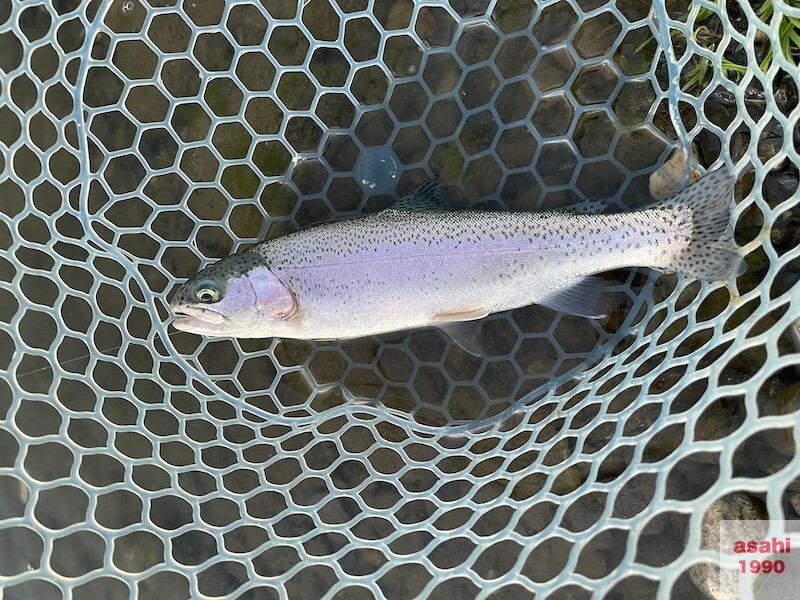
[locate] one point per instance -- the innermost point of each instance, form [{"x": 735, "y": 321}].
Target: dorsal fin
[
  {"x": 431, "y": 195},
  {"x": 590, "y": 206}
]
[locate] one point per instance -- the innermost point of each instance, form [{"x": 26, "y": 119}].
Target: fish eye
[{"x": 207, "y": 293}]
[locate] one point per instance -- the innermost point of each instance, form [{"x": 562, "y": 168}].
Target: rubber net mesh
[{"x": 575, "y": 459}]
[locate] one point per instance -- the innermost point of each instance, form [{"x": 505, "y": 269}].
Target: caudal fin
[{"x": 709, "y": 255}]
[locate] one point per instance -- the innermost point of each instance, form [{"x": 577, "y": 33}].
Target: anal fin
[
  {"x": 463, "y": 327},
  {"x": 465, "y": 335},
  {"x": 583, "y": 298}
]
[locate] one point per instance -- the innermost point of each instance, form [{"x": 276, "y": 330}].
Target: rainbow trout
[{"x": 415, "y": 265}]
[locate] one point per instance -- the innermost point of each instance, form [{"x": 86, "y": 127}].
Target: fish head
[{"x": 239, "y": 296}]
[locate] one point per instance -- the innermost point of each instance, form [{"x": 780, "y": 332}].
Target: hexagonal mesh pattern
[{"x": 144, "y": 140}]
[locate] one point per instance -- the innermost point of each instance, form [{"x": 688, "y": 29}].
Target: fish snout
[{"x": 183, "y": 311}]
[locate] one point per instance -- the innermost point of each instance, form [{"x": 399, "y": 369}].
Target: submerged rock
[
  {"x": 674, "y": 175},
  {"x": 737, "y": 506}
]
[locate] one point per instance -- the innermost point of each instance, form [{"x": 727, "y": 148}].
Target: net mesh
[{"x": 576, "y": 459}]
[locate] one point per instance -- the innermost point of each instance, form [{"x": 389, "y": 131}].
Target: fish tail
[{"x": 707, "y": 252}]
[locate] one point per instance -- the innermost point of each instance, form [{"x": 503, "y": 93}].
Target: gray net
[{"x": 576, "y": 459}]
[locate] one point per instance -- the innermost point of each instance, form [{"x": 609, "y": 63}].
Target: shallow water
[{"x": 523, "y": 140}]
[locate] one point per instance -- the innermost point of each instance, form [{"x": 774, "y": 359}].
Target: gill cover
[{"x": 273, "y": 299}]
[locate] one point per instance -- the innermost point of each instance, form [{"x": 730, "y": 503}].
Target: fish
[{"x": 419, "y": 264}]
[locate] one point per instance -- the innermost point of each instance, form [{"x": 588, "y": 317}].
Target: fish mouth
[{"x": 186, "y": 316}]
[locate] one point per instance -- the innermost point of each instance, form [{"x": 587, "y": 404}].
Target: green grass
[
  {"x": 788, "y": 32},
  {"x": 699, "y": 76}
]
